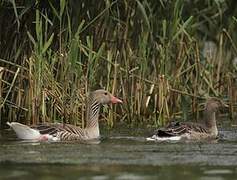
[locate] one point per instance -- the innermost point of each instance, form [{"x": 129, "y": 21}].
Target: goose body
[
  {"x": 192, "y": 131},
  {"x": 67, "y": 132}
]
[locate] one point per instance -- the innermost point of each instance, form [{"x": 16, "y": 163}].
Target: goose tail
[{"x": 24, "y": 132}]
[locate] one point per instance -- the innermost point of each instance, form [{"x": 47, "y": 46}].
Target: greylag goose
[
  {"x": 192, "y": 131},
  {"x": 67, "y": 132}
]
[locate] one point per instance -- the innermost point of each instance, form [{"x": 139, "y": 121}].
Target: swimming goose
[
  {"x": 67, "y": 132},
  {"x": 192, "y": 131}
]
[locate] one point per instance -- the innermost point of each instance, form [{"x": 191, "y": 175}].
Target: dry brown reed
[{"x": 160, "y": 57}]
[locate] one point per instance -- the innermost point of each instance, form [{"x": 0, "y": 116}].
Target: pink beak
[{"x": 115, "y": 100}]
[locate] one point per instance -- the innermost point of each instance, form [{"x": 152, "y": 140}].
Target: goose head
[
  {"x": 104, "y": 97},
  {"x": 214, "y": 104}
]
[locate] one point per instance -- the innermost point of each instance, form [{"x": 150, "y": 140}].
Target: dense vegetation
[{"x": 162, "y": 57}]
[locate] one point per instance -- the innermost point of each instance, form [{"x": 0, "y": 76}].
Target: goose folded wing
[
  {"x": 55, "y": 128},
  {"x": 199, "y": 128},
  {"x": 179, "y": 128},
  {"x": 171, "y": 131}
]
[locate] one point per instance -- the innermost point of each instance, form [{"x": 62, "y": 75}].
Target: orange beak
[{"x": 115, "y": 100}]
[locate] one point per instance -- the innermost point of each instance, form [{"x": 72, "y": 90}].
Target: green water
[
  {"x": 114, "y": 171},
  {"x": 120, "y": 156}
]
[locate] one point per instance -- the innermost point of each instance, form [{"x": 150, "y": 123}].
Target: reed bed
[{"x": 161, "y": 57}]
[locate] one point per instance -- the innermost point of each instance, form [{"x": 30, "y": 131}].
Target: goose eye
[{"x": 106, "y": 93}]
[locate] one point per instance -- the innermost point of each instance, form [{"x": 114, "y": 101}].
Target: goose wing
[
  {"x": 59, "y": 128},
  {"x": 179, "y": 128}
]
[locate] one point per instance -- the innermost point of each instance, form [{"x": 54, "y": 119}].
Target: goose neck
[
  {"x": 92, "y": 125},
  {"x": 210, "y": 121}
]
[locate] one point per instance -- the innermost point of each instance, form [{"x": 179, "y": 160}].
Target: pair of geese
[{"x": 67, "y": 132}]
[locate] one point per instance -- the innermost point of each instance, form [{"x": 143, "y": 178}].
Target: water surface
[{"x": 120, "y": 155}]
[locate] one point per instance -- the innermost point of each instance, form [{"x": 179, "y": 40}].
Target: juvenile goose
[
  {"x": 192, "y": 131},
  {"x": 67, "y": 132}
]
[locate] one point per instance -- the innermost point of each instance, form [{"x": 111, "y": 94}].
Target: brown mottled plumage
[{"x": 189, "y": 130}]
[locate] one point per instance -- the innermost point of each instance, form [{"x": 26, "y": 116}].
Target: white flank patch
[
  {"x": 47, "y": 137},
  {"x": 52, "y": 138},
  {"x": 24, "y": 132},
  {"x": 156, "y": 138}
]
